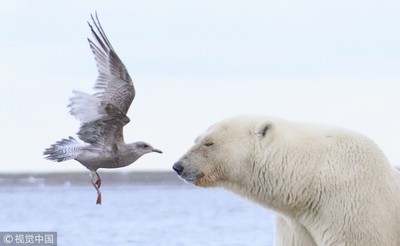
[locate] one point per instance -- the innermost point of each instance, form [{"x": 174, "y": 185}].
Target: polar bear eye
[{"x": 208, "y": 144}]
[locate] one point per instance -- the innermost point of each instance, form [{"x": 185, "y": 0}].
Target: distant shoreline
[{"x": 83, "y": 178}]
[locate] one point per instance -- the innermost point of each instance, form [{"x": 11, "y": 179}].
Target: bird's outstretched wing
[
  {"x": 114, "y": 85},
  {"x": 103, "y": 114}
]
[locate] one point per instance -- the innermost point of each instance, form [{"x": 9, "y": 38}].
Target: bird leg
[{"x": 96, "y": 182}]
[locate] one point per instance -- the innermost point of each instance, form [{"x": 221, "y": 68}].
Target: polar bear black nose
[{"x": 178, "y": 167}]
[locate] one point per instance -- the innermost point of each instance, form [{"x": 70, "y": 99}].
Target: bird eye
[
  {"x": 145, "y": 146},
  {"x": 208, "y": 144}
]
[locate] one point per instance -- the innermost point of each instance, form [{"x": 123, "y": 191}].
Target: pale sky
[{"x": 332, "y": 62}]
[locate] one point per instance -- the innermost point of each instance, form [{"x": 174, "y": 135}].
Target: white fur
[
  {"x": 86, "y": 107},
  {"x": 327, "y": 186}
]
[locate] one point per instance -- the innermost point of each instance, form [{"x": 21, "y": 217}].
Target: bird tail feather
[{"x": 65, "y": 149}]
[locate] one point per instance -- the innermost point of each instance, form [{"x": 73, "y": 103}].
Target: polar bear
[{"x": 327, "y": 186}]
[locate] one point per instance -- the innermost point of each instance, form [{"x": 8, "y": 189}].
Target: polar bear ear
[{"x": 262, "y": 129}]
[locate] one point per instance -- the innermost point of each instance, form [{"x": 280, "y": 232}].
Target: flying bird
[{"x": 102, "y": 115}]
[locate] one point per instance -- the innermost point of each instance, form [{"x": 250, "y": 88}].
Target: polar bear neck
[
  {"x": 273, "y": 175},
  {"x": 313, "y": 202}
]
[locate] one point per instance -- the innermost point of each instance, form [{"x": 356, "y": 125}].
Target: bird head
[{"x": 143, "y": 148}]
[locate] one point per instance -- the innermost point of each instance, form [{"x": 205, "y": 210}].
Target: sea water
[{"x": 136, "y": 215}]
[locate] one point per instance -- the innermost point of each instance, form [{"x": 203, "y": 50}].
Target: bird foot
[{"x": 98, "y": 201}]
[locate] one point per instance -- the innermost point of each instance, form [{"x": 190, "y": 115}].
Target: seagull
[{"x": 102, "y": 116}]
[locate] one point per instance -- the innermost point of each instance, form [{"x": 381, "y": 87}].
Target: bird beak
[{"x": 157, "y": 150}]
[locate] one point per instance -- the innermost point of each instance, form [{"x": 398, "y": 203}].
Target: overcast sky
[{"x": 195, "y": 63}]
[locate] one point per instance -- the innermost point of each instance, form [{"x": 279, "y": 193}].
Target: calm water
[{"x": 136, "y": 215}]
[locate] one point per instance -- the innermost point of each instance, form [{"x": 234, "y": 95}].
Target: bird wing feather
[
  {"x": 113, "y": 84},
  {"x": 106, "y": 132},
  {"x": 114, "y": 90}
]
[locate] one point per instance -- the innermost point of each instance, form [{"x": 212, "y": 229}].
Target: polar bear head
[{"x": 226, "y": 151}]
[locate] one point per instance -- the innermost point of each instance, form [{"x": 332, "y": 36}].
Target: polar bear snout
[
  {"x": 178, "y": 167},
  {"x": 187, "y": 173}
]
